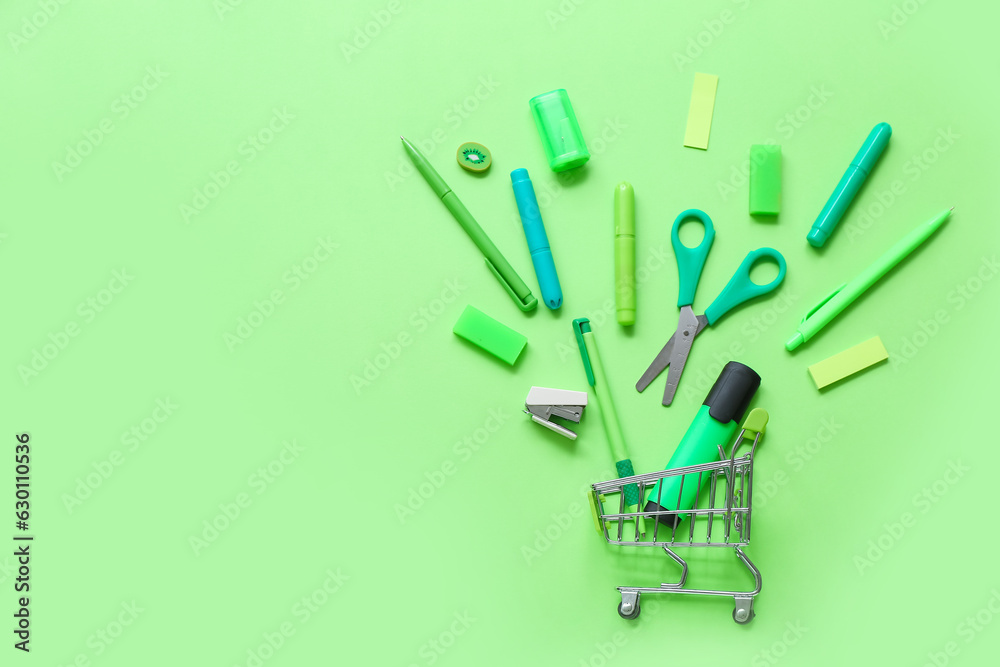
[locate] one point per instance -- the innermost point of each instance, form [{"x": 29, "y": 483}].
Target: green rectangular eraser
[
  {"x": 498, "y": 339},
  {"x": 765, "y": 179}
]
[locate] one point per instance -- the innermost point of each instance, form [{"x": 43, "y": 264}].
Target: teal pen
[
  {"x": 849, "y": 184},
  {"x": 843, "y": 296}
]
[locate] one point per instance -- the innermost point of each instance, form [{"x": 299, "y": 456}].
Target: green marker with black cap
[{"x": 715, "y": 424}]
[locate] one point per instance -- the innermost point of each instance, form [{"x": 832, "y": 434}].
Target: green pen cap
[{"x": 559, "y": 131}]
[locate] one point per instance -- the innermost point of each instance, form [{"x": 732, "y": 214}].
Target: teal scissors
[{"x": 690, "y": 262}]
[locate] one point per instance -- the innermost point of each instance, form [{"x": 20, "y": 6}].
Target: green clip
[
  {"x": 580, "y": 327},
  {"x": 530, "y": 304},
  {"x": 822, "y": 303}
]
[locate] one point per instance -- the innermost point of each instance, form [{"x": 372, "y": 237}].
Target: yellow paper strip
[
  {"x": 700, "y": 112},
  {"x": 848, "y": 362}
]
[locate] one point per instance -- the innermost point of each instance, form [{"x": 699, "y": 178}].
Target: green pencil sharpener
[{"x": 559, "y": 131}]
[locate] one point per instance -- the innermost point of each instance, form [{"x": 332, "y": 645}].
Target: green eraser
[
  {"x": 498, "y": 339},
  {"x": 765, "y": 179}
]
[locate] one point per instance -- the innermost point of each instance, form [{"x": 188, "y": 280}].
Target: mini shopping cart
[{"x": 720, "y": 517}]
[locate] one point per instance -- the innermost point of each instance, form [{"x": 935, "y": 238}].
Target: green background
[{"x": 467, "y": 577}]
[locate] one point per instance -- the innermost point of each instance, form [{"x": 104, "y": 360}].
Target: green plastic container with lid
[{"x": 559, "y": 130}]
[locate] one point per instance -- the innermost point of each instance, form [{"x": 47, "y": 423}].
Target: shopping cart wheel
[
  {"x": 628, "y": 617},
  {"x": 628, "y": 608},
  {"x": 744, "y": 612}
]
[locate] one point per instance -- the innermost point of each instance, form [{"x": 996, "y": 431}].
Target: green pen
[
  {"x": 843, "y": 296},
  {"x": 596, "y": 379},
  {"x": 497, "y": 263}
]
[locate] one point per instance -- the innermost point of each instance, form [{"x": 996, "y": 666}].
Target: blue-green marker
[
  {"x": 538, "y": 242},
  {"x": 850, "y": 183}
]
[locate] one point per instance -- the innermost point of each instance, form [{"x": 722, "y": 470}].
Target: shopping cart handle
[{"x": 756, "y": 421}]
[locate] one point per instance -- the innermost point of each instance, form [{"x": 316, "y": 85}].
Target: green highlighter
[
  {"x": 715, "y": 424},
  {"x": 625, "y": 253}
]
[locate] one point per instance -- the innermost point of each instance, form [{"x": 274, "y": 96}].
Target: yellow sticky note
[
  {"x": 848, "y": 362},
  {"x": 700, "y": 112}
]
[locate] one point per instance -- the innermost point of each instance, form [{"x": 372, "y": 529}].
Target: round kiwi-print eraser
[{"x": 474, "y": 157}]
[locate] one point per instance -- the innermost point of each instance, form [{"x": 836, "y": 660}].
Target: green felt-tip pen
[
  {"x": 497, "y": 263},
  {"x": 843, "y": 296}
]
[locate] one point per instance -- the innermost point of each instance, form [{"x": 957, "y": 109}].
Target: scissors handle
[
  {"x": 690, "y": 261},
  {"x": 741, "y": 288}
]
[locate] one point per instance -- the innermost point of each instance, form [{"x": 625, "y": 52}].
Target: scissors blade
[
  {"x": 661, "y": 361},
  {"x": 688, "y": 327}
]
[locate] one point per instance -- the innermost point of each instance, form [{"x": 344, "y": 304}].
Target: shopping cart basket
[{"x": 720, "y": 517}]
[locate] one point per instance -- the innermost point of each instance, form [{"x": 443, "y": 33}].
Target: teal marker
[
  {"x": 538, "y": 242},
  {"x": 714, "y": 425},
  {"x": 850, "y": 183}
]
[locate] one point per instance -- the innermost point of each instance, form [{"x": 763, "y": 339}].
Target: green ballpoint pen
[
  {"x": 497, "y": 263},
  {"x": 843, "y": 296},
  {"x": 595, "y": 378}
]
